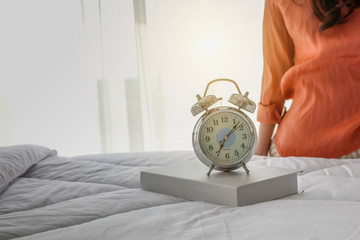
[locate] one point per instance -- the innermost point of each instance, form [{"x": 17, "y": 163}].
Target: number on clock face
[{"x": 225, "y": 137}]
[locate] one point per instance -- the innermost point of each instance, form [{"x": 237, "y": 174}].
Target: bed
[{"x": 48, "y": 196}]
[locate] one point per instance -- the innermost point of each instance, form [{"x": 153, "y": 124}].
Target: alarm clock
[{"x": 224, "y": 138}]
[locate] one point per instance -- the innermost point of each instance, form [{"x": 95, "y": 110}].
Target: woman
[{"x": 312, "y": 56}]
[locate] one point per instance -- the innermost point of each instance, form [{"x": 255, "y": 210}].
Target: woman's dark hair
[{"x": 332, "y": 12}]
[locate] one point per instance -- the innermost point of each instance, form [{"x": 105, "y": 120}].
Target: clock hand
[
  {"x": 221, "y": 146},
  {"x": 222, "y": 142},
  {"x": 235, "y": 129},
  {"x": 231, "y": 131}
]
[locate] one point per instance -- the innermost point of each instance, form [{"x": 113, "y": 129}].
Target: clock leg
[
  {"x": 210, "y": 169},
  {"x": 246, "y": 169}
]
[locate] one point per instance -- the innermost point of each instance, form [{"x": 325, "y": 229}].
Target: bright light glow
[{"x": 210, "y": 45}]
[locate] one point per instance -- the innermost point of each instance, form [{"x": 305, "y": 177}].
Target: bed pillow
[{"x": 16, "y": 160}]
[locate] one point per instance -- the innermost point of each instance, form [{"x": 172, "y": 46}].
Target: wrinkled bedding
[{"x": 99, "y": 197}]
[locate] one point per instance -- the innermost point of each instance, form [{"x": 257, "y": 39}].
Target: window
[{"x": 114, "y": 76}]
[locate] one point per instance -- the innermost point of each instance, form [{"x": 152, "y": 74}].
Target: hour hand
[
  {"x": 222, "y": 142},
  {"x": 221, "y": 146}
]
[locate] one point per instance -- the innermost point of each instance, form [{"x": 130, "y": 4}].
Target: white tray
[{"x": 236, "y": 188}]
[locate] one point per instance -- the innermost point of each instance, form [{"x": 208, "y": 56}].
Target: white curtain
[
  {"x": 49, "y": 65},
  {"x": 151, "y": 95},
  {"x": 180, "y": 47},
  {"x": 114, "y": 76}
]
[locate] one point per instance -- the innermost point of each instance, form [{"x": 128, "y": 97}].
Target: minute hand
[{"x": 232, "y": 130}]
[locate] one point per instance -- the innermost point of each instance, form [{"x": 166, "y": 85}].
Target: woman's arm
[
  {"x": 278, "y": 51},
  {"x": 265, "y": 134}
]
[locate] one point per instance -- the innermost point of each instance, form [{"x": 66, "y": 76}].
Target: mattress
[{"x": 100, "y": 197}]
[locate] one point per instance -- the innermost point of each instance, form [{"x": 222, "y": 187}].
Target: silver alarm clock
[{"x": 224, "y": 138}]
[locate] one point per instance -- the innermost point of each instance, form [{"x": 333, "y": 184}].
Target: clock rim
[{"x": 196, "y": 139}]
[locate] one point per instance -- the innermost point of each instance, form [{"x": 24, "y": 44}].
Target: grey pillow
[{"x": 16, "y": 160}]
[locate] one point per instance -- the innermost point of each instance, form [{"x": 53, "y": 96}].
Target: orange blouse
[{"x": 320, "y": 72}]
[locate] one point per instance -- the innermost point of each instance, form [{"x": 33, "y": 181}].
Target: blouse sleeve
[{"x": 278, "y": 52}]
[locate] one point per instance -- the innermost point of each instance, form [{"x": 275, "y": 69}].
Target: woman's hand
[{"x": 265, "y": 134}]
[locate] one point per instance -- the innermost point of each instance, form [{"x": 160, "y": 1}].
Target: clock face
[{"x": 226, "y": 137}]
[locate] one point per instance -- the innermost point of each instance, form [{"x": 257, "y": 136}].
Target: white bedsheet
[{"x": 99, "y": 197}]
